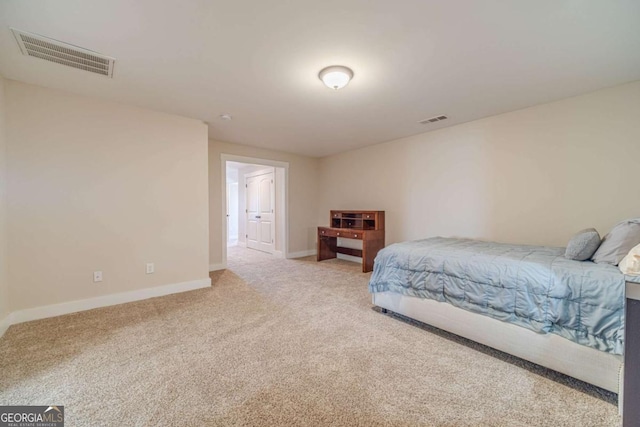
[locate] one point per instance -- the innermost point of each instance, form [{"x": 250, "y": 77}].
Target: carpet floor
[{"x": 279, "y": 342}]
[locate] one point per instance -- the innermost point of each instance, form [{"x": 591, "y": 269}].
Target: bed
[{"x": 528, "y": 301}]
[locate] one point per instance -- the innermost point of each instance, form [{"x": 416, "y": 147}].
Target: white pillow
[
  {"x": 630, "y": 264},
  {"x": 618, "y": 242}
]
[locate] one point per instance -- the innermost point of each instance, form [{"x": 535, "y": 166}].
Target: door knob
[{"x": 258, "y": 217}]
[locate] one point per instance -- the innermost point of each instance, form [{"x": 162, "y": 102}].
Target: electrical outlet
[
  {"x": 151, "y": 268},
  {"x": 97, "y": 276}
]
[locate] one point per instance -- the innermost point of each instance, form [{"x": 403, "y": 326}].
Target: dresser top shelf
[{"x": 358, "y": 220}]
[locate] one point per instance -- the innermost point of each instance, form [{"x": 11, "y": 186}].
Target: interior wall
[
  {"x": 95, "y": 185},
  {"x": 234, "y": 214},
  {"x": 232, "y": 205},
  {"x": 533, "y": 176},
  {"x": 302, "y": 192},
  {"x": 280, "y": 208},
  {"x": 4, "y": 283}
]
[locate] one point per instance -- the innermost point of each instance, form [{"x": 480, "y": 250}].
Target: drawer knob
[
  {"x": 323, "y": 232},
  {"x": 338, "y": 234},
  {"x": 355, "y": 235}
]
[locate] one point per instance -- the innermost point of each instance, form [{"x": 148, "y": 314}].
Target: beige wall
[
  {"x": 303, "y": 188},
  {"x": 533, "y": 176},
  {"x": 95, "y": 185},
  {"x": 4, "y": 284}
]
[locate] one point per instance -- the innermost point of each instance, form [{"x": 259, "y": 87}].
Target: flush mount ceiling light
[
  {"x": 336, "y": 77},
  {"x": 226, "y": 116}
]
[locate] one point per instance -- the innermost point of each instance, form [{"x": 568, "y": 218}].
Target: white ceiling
[{"x": 258, "y": 60}]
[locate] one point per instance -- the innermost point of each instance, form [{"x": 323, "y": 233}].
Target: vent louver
[
  {"x": 433, "y": 120},
  {"x": 63, "y": 53}
]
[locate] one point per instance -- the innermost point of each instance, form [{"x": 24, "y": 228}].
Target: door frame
[
  {"x": 224, "y": 158},
  {"x": 228, "y": 187}
]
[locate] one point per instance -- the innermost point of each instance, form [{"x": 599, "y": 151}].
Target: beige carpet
[{"x": 279, "y": 342}]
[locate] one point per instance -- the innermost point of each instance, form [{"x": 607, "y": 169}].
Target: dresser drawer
[
  {"x": 328, "y": 232},
  {"x": 351, "y": 234},
  {"x": 340, "y": 232}
]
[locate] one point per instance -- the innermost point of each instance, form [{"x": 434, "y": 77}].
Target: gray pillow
[
  {"x": 617, "y": 244},
  {"x": 583, "y": 245}
]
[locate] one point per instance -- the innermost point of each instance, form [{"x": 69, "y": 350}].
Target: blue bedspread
[{"x": 531, "y": 286}]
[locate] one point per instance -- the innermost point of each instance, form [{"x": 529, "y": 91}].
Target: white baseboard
[
  {"x": 349, "y": 258},
  {"x": 301, "y": 254},
  {"x": 216, "y": 267},
  {"x": 4, "y": 324},
  {"x": 29, "y": 314}
]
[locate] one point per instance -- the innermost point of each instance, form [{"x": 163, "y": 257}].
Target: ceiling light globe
[{"x": 336, "y": 77}]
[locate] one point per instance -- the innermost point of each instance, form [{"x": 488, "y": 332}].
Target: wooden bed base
[{"x": 548, "y": 350}]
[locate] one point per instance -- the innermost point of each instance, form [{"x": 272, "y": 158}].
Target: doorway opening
[{"x": 255, "y": 207}]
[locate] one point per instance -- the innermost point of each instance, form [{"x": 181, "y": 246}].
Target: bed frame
[{"x": 549, "y": 350}]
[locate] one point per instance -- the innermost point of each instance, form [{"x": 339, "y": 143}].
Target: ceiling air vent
[
  {"x": 63, "y": 53},
  {"x": 433, "y": 120}
]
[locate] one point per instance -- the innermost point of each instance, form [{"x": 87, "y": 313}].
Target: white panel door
[{"x": 260, "y": 212}]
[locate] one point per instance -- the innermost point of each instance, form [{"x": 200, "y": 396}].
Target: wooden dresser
[{"x": 367, "y": 226}]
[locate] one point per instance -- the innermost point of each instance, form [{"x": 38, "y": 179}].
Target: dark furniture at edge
[
  {"x": 631, "y": 392},
  {"x": 367, "y": 226}
]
